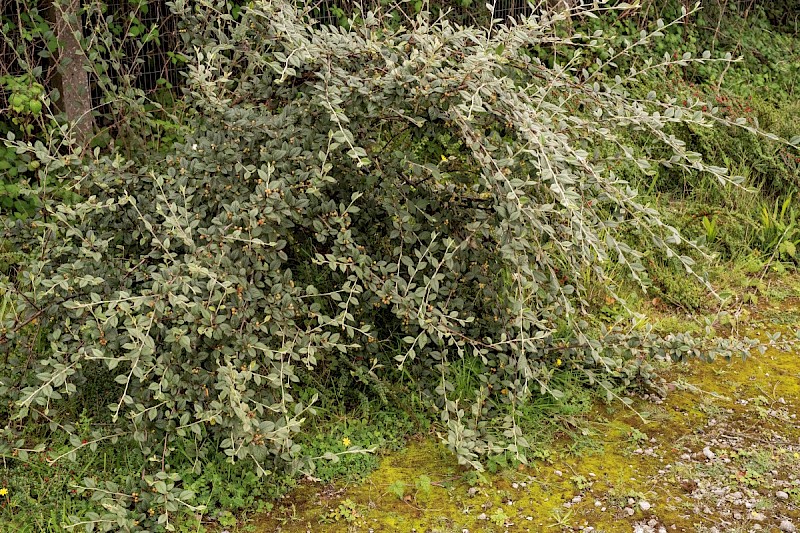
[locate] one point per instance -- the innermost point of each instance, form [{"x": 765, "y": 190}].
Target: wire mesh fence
[
  {"x": 27, "y": 43},
  {"x": 148, "y": 62},
  {"x": 151, "y": 64},
  {"x": 465, "y": 12},
  {"x": 155, "y": 65},
  {"x": 20, "y": 50}
]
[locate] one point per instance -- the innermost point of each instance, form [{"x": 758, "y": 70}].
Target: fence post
[{"x": 71, "y": 77}]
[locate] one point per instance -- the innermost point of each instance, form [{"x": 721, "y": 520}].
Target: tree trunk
[{"x": 71, "y": 77}]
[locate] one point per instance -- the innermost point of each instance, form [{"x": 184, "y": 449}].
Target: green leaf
[{"x": 398, "y": 488}]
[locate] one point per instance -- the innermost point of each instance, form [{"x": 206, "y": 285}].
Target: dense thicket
[{"x": 377, "y": 202}]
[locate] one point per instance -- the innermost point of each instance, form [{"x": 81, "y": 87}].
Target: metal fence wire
[
  {"x": 154, "y": 65},
  {"x": 147, "y": 66},
  {"x": 465, "y": 12},
  {"x": 19, "y": 52}
]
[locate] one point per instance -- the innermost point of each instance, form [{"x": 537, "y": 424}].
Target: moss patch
[{"x": 721, "y": 451}]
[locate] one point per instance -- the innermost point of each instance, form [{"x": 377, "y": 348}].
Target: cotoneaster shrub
[{"x": 341, "y": 193}]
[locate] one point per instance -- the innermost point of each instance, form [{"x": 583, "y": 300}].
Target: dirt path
[{"x": 720, "y": 454}]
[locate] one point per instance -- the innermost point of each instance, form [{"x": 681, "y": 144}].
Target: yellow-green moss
[{"x": 615, "y": 468}]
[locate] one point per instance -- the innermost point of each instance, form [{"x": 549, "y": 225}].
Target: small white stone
[
  {"x": 515, "y": 485},
  {"x": 629, "y": 511},
  {"x": 644, "y": 505},
  {"x": 709, "y": 454},
  {"x": 781, "y": 495},
  {"x": 787, "y": 527}
]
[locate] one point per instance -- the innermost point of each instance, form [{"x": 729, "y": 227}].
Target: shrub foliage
[{"x": 378, "y": 202}]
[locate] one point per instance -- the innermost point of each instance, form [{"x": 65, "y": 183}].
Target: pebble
[
  {"x": 758, "y": 517},
  {"x": 787, "y": 527},
  {"x": 709, "y": 454},
  {"x": 644, "y": 505},
  {"x": 482, "y": 516},
  {"x": 629, "y": 511},
  {"x": 781, "y": 495}
]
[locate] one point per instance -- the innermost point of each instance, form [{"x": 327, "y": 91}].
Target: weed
[
  {"x": 346, "y": 511},
  {"x": 499, "y": 518},
  {"x": 636, "y": 436},
  {"x": 779, "y": 234},
  {"x": 710, "y": 226},
  {"x": 398, "y": 488},
  {"x": 562, "y": 519},
  {"x": 580, "y": 482}
]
